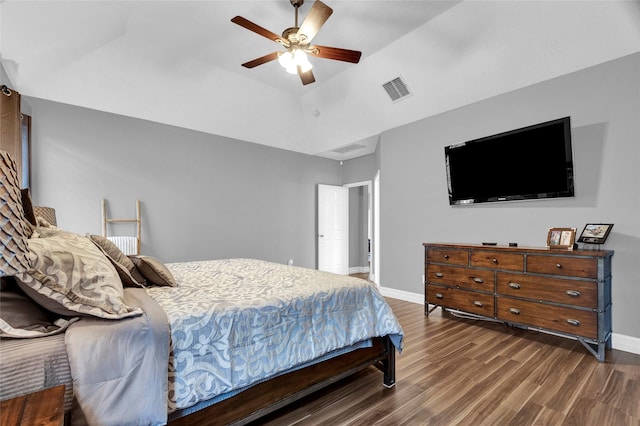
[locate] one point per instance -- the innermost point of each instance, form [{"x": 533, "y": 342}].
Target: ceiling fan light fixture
[
  {"x": 297, "y": 42},
  {"x": 294, "y": 58}
]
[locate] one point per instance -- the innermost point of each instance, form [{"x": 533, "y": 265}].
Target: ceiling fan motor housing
[{"x": 291, "y": 34}]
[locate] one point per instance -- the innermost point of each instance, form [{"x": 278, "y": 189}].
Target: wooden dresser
[{"x": 563, "y": 292}]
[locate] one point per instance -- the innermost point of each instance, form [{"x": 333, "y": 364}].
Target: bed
[{"x": 138, "y": 341}]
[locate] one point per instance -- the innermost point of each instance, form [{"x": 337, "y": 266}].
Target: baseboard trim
[
  {"x": 402, "y": 295},
  {"x": 625, "y": 343},
  {"x": 358, "y": 270},
  {"x": 620, "y": 342}
]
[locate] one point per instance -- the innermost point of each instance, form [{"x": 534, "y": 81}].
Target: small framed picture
[
  {"x": 561, "y": 238},
  {"x": 595, "y": 233}
]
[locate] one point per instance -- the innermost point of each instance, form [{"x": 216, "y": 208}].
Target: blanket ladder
[{"x": 128, "y": 244}]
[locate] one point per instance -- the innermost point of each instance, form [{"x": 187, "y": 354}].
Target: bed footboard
[{"x": 273, "y": 394}]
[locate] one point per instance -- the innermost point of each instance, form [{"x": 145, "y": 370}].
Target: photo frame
[
  {"x": 595, "y": 233},
  {"x": 561, "y": 238}
]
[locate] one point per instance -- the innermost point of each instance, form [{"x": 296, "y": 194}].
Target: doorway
[
  {"x": 360, "y": 228},
  {"x": 334, "y": 237}
]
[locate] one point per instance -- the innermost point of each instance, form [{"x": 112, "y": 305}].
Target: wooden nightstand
[{"x": 45, "y": 407}]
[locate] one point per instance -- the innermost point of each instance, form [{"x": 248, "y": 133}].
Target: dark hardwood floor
[{"x": 465, "y": 372}]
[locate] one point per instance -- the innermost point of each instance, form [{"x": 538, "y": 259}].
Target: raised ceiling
[{"x": 178, "y": 62}]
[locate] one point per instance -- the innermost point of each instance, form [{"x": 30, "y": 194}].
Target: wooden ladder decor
[{"x": 106, "y": 220}]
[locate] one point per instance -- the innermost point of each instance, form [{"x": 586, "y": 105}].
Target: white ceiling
[{"x": 178, "y": 62}]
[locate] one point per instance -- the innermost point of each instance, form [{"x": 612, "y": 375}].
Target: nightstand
[{"x": 45, "y": 408}]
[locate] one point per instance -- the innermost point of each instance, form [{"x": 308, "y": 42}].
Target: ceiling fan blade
[
  {"x": 336, "y": 53},
  {"x": 261, "y": 60},
  {"x": 317, "y": 16},
  {"x": 256, "y": 28},
  {"x": 306, "y": 77}
]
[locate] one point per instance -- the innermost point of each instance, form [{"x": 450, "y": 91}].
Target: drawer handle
[
  {"x": 494, "y": 260},
  {"x": 514, "y": 285},
  {"x": 478, "y": 280},
  {"x": 477, "y": 303},
  {"x": 514, "y": 311},
  {"x": 573, "y": 293},
  {"x": 446, "y": 256},
  {"x": 439, "y": 296},
  {"x": 439, "y": 274},
  {"x": 559, "y": 266},
  {"x": 574, "y": 322}
]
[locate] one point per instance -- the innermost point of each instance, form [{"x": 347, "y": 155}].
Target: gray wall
[
  {"x": 359, "y": 169},
  {"x": 202, "y": 196},
  {"x": 210, "y": 197},
  {"x": 358, "y": 227},
  {"x": 604, "y": 105}
]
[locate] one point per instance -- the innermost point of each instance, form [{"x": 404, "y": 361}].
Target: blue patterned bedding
[{"x": 236, "y": 322}]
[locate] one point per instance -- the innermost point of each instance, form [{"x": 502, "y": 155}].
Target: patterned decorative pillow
[
  {"x": 129, "y": 274},
  {"x": 14, "y": 232},
  {"x": 27, "y": 206},
  {"x": 154, "y": 270},
  {"x": 71, "y": 276},
  {"x": 21, "y": 317}
]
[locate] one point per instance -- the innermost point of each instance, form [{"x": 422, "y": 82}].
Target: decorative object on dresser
[
  {"x": 561, "y": 238},
  {"x": 566, "y": 293},
  {"x": 595, "y": 233}
]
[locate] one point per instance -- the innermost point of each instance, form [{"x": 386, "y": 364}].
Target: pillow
[
  {"x": 5, "y": 282},
  {"x": 21, "y": 317},
  {"x": 71, "y": 276},
  {"x": 48, "y": 213},
  {"x": 14, "y": 232},
  {"x": 127, "y": 271},
  {"x": 27, "y": 206},
  {"x": 154, "y": 270}
]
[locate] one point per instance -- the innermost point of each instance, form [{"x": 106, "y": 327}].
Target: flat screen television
[{"x": 530, "y": 163}]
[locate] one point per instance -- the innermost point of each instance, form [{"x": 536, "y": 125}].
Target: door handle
[{"x": 321, "y": 235}]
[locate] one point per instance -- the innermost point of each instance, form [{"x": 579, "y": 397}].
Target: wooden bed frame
[{"x": 273, "y": 394}]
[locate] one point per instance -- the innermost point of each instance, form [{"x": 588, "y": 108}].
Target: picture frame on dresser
[
  {"x": 595, "y": 233},
  {"x": 561, "y": 238}
]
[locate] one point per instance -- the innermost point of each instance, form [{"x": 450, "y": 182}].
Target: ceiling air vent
[
  {"x": 396, "y": 89},
  {"x": 348, "y": 148}
]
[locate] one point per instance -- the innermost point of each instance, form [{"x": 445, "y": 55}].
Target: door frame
[{"x": 370, "y": 219}]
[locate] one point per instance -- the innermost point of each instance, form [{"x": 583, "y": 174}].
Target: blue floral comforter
[{"x": 239, "y": 321}]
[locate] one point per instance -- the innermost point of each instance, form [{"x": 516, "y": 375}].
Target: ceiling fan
[{"x": 297, "y": 41}]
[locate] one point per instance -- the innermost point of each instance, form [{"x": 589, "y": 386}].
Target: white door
[{"x": 333, "y": 229}]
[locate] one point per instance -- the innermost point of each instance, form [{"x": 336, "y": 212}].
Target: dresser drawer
[
  {"x": 448, "y": 255},
  {"x": 558, "y": 290},
  {"x": 463, "y": 300},
  {"x": 461, "y": 277},
  {"x": 558, "y": 318},
  {"x": 497, "y": 260},
  {"x": 560, "y": 265}
]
